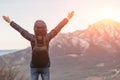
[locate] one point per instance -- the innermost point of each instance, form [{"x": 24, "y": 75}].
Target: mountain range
[{"x": 90, "y": 54}]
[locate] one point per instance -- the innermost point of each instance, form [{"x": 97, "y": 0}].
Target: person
[{"x": 40, "y": 32}]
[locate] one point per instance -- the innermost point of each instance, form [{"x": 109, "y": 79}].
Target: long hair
[{"x": 40, "y": 31}]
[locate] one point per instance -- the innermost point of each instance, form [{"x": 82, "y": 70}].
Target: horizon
[
  {"x": 25, "y": 13},
  {"x": 7, "y": 51}
]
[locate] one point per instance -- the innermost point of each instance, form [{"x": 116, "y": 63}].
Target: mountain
[
  {"x": 106, "y": 34},
  {"x": 90, "y": 54}
]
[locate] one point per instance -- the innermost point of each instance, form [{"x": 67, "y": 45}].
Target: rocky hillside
[
  {"x": 105, "y": 34},
  {"x": 91, "y": 54}
]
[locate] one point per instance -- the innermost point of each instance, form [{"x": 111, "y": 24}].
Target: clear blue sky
[{"x": 26, "y": 12}]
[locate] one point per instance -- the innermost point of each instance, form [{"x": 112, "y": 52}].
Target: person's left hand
[{"x": 70, "y": 15}]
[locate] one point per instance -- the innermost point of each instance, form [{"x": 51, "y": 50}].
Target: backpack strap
[{"x": 35, "y": 38}]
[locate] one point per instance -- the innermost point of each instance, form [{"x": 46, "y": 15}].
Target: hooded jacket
[{"x": 30, "y": 37}]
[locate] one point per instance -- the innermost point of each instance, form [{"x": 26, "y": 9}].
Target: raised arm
[
  {"x": 22, "y": 31},
  {"x": 57, "y": 29}
]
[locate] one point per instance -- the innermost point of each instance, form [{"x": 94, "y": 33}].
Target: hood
[{"x": 40, "y": 28}]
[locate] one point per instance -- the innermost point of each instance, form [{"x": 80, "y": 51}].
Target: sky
[{"x": 26, "y": 12}]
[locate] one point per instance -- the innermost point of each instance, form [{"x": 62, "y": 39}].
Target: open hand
[
  {"x": 7, "y": 19},
  {"x": 70, "y": 15}
]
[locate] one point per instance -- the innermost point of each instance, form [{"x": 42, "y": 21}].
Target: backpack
[{"x": 40, "y": 57}]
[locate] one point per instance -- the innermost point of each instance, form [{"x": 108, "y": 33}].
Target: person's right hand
[{"x": 7, "y": 19}]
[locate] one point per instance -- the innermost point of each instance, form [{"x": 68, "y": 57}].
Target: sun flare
[
  {"x": 112, "y": 14},
  {"x": 108, "y": 14}
]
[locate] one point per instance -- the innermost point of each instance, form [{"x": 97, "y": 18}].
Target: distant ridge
[{"x": 3, "y": 52}]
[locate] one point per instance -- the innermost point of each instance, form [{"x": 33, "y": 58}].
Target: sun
[
  {"x": 107, "y": 14},
  {"x": 112, "y": 14}
]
